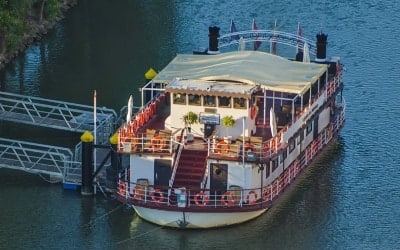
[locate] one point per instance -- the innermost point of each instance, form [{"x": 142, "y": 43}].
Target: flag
[
  {"x": 257, "y": 43},
  {"x": 233, "y": 30},
  {"x": 273, "y": 40},
  {"x": 299, "y": 38}
]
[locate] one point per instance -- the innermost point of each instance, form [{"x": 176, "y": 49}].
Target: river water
[{"x": 350, "y": 199}]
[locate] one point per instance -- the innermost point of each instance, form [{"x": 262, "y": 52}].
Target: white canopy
[{"x": 252, "y": 67}]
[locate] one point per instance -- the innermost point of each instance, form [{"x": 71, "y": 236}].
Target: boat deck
[{"x": 218, "y": 148}]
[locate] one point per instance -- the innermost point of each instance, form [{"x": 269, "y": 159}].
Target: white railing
[
  {"x": 278, "y": 37},
  {"x": 37, "y": 158},
  {"x": 55, "y": 114}
]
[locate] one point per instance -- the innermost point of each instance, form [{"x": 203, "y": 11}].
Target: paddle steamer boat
[{"x": 223, "y": 134}]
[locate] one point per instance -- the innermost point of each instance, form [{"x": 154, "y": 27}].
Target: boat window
[
  {"x": 239, "y": 103},
  {"x": 209, "y": 101},
  {"x": 224, "y": 101},
  {"x": 179, "y": 98},
  {"x": 194, "y": 99},
  {"x": 292, "y": 145},
  {"x": 267, "y": 171},
  {"x": 309, "y": 128},
  {"x": 300, "y": 137},
  {"x": 274, "y": 164}
]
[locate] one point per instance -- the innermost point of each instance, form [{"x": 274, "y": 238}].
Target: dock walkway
[
  {"x": 62, "y": 164},
  {"x": 55, "y": 114}
]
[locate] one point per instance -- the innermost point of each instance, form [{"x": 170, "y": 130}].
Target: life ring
[
  {"x": 157, "y": 143},
  {"x": 253, "y": 112},
  {"x": 251, "y": 197},
  {"x": 121, "y": 188},
  {"x": 201, "y": 199},
  {"x": 222, "y": 147},
  {"x": 266, "y": 193},
  {"x": 157, "y": 195},
  {"x": 138, "y": 193},
  {"x": 228, "y": 199}
]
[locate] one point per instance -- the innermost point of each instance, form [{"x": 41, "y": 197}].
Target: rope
[
  {"x": 104, "y": 215},
  {"x": 142, "y": 234},
  {"x": 139, "y": 235},
  {"x": 44, "y": 178}
]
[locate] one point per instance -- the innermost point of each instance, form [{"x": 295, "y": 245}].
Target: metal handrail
[
  {"x": 54, "y": 114},
  {"x": 177, "y": 158},
  {"x": 279, "y": 37},
  {"x": 37, "y": 158}
]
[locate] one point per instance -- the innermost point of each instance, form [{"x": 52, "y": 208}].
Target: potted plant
[
  {"x": 228, "y": 122},
  {"x": 189, "y": 119}
]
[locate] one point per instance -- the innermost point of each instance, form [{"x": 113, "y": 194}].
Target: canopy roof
[
  {"x": 218, "y": 88},
  {"x": 252, "y": 67}
]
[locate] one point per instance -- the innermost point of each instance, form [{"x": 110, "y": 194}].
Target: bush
[{"x": 51, "y": 9}]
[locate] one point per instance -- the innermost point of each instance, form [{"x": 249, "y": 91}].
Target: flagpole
[
  {"x": 243, "y": 148},
  {"x": 95, "y": 133}
]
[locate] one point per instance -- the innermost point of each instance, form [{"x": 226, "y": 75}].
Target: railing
[
  {"x": 37, "y": 158},
  {"x": 278, "y": 37},
  {"x": 145, "y": 144},
  {"x": 142, "y": 116},
  {"x": 55, "y": 114},
  {"x": 232, "y": 198},
  {"x": 176, "y": 164}
]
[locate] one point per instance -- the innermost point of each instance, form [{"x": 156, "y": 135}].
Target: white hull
[{"x": 180, "y": 219}]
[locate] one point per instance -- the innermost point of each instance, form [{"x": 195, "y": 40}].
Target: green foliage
[
  {"x": 14, "y": 15},
  {"x": 13, "y": 28},
  {"x": 51, "y": 9},
  {"x": 228, "y": 121},
  {"x": 20, "y": 7},
  {"x": 190, "y": 118}
]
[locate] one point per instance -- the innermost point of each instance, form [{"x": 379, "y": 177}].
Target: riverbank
[{"x": 35, "y": 32}]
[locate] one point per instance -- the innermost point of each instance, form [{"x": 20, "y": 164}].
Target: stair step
[
  {"x": 187, "y": 183},
  {"x": 188, "y": 176},
  {"x": 190, "y": 169}
]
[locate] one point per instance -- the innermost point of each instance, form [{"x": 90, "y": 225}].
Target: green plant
[
  {"x": 228, "y": 121},
  {"x": 190, "y": 118}
]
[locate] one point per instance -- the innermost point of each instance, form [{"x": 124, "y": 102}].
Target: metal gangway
[
  {"x": 57, "y": 114},
  {"x": 61, "y": 164},
  {"x": 57, "y": 162}
]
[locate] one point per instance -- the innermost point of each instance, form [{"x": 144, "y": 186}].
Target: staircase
[{"x": 190, "y": 170}]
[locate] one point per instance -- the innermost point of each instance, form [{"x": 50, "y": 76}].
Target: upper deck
[{"x": 269, "y": 98}]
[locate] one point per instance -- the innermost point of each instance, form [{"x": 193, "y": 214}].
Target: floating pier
[{"x": 62, "y": 164}]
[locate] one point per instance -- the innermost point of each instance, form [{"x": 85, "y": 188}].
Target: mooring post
[
  {"x": 113, "y": 170},
  {"x": 87, "y": 163}
]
